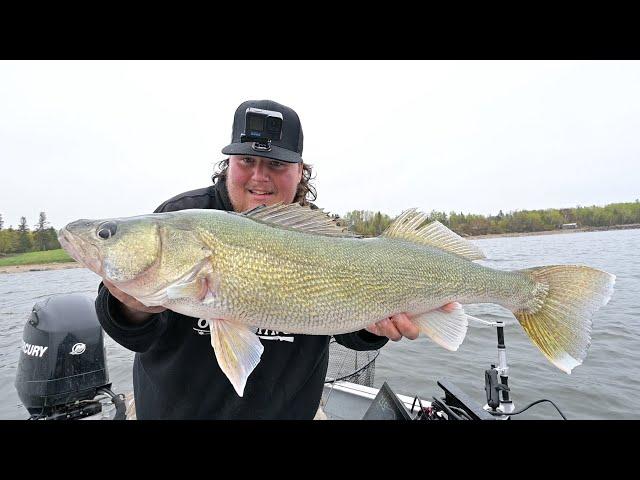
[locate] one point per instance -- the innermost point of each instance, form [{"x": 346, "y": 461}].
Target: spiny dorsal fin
[
  {"x": 434, "y": 234},
  {"x": 300, "y": 218}
]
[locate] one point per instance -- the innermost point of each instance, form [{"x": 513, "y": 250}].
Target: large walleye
[{"x": 290, "y": 268}]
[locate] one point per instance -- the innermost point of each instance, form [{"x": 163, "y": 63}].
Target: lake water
[{"x": 606, "y": 386}]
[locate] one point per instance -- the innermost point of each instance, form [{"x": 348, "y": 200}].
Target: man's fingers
[
  {"x": 373, "y": 329},
  {"x": 408, "y": 329},
  {"x": 405, "y": 326},
  {"x": 395, "y": 327},
  {"x": 388, "y": 329}
]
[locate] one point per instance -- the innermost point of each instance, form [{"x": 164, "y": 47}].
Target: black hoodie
[{"x": 175, "y": 372}]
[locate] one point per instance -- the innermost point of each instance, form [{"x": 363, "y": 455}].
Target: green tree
[
  {"x": 4, "y": 242},
  {"x": 381, "y": 222},
  {"x": 455, "y": 222},
  {"x": 40, "y": 232},
  {"x": 439, "y": 216},
  {"x": 24, "y": 239},
  {"x": 51, "y": 239},
  {"x": 369, "y": 223},
  {"x": 9, "y": 240}
]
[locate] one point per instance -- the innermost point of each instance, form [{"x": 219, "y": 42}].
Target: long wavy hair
[{"x": 305, "y": 193}]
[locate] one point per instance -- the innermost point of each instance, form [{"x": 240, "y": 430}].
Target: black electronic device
[
  {"x": 386, "y": 406},
  {"x": 262, "y": 126}
]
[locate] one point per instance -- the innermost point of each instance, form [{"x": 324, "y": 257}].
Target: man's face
[{"x": 253, "y": 181}]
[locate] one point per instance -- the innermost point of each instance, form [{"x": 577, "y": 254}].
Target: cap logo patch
[{"x": 261, "y": 147}]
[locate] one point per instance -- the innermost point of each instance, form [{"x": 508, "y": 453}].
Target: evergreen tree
[
  {"x": 40, "y": 232},
  {"x": 24, "y": 239},
  {"x": 51, "y": 239}
]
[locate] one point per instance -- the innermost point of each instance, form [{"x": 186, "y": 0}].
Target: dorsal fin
[
  {"x": 300, "y": 218},
  {"x": 434, "y": 234}
]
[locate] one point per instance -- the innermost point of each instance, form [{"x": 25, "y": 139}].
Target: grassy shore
[{"x": 36, "y": 258}]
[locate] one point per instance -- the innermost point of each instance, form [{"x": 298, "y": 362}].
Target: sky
[{"x": 103, "y": 139}]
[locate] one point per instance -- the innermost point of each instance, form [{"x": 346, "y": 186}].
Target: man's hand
[
  {"x": 395, "y": 328},
  {"x": 133, "y": 310},
  {"x": 400, "y": 325}
]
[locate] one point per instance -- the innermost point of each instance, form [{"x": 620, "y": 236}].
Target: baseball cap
[{"x": 288, "y": 149}]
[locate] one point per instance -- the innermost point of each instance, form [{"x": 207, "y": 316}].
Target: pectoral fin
[
  {"x": 203, "y": 289},
  {"x": 238, "y": 350}
]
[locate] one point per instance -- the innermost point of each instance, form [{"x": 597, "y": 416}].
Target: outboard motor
[{"x": 62, "y": 366}]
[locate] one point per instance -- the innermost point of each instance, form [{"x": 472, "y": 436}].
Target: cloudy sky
[{"x": 99, "y": 139}]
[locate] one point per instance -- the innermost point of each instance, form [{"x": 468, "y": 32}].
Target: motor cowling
[{"x": 63, "y": 357}]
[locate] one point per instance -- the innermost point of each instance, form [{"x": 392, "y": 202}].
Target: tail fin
[{"x": 561, "y": 327}]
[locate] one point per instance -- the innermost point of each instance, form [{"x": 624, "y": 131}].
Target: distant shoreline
[
  {"x": 554, "y": 232},
  {"x": 65, "y": 265}
]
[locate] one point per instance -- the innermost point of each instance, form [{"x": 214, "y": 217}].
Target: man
[{"x": 175, "y": 372}]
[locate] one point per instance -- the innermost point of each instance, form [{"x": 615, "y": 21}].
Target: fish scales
[{"x": 304, "y": 283}]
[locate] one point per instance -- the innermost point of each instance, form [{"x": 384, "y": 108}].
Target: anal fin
[{"x": 447, "y": 326}]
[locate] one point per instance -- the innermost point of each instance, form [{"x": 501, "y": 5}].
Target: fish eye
[{"x": 107, "y": 230}]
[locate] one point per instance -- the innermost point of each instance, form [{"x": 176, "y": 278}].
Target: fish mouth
[
  {"x": 80, "y": 250},
  {"x": 66, "y": 240}
]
